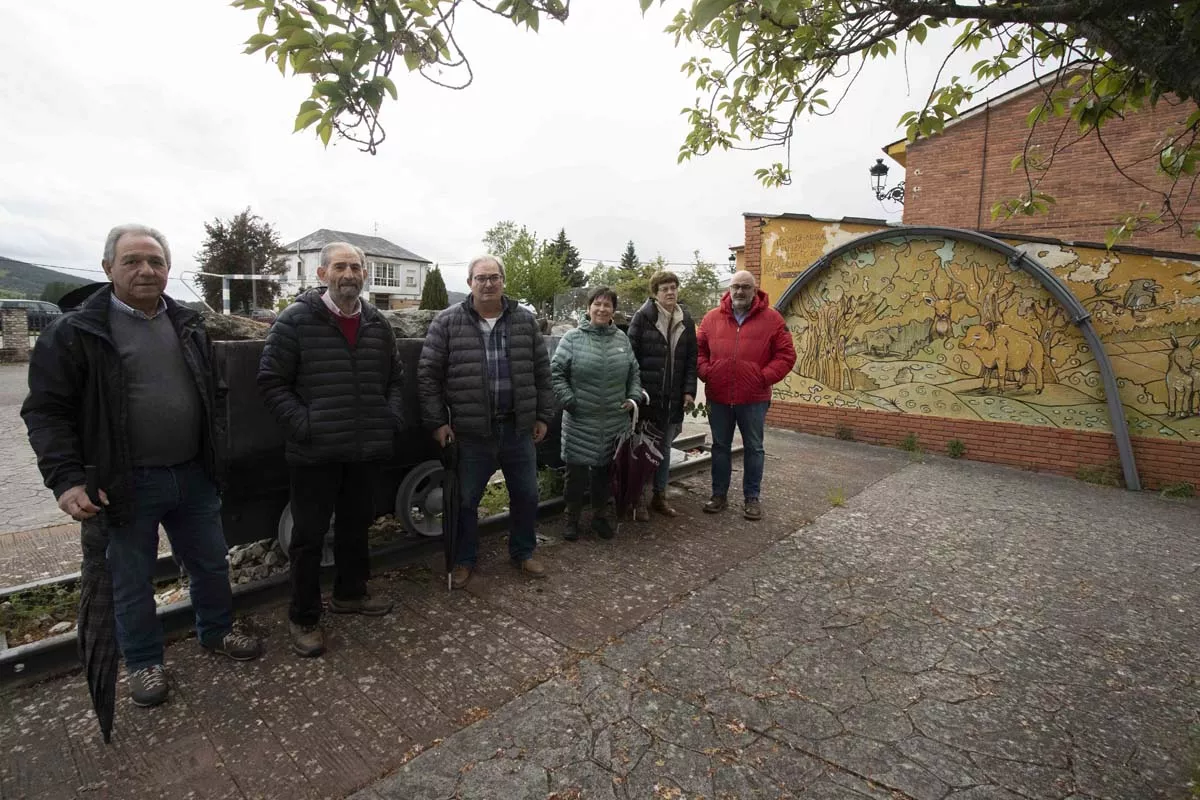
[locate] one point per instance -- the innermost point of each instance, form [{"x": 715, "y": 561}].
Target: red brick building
[{"x": 955, "y": 178}]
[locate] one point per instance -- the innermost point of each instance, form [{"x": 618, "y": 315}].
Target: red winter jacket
[{"x": 740, "y": 363}]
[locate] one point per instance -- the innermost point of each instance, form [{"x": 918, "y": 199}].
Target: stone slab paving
[
  {"x": 388, "y": 688},
  {"x": 25, "y": 503},
  {"x": 955, "y": 631}
]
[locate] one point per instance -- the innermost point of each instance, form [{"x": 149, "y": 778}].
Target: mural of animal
[
  {"x": 939, "y": 327},
  {"x": 1005, "y": 352},
  {"x": 1181, "y": 378},
  {"x": 879, "y": 343},
  {"x": 1141, "y": 295}
]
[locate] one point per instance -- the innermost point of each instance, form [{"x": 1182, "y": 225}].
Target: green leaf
[
  {"x": 646, "y": 5},
  {"x": 325, "y": 131},
  {"x": 306, "y": 118},
  {"x": 705, "y": 11},
  {"x": 390, "y": 85}
]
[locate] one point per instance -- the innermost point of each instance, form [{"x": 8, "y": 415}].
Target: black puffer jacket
[
  {"x": 337, "y": 403},
  {"x": 452, "y": 374},
  {"x": 77, "y": 411},
  {"x": 665, "y": 379}
]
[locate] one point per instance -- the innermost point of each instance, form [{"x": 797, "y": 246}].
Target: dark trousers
[
  {"x": 514, "y": 453},
  {"x": 593, "y": 480},
  {"x": 341, "y": 491}
]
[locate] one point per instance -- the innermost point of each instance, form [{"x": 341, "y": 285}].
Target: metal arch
[{"x": 1017, "y": 260}]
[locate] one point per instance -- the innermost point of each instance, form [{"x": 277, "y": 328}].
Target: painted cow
[{"x": 1006, "y": 351}]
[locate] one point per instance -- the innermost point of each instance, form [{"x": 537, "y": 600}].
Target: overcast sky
[{"x": 143, "y": 110}]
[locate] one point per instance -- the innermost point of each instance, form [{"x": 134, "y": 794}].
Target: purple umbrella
[{"x": 638, "y": 454}]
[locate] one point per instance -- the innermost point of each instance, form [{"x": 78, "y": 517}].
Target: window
[
  {"x": 384, "y": 274},
  {"x": 411, "y": 281}
]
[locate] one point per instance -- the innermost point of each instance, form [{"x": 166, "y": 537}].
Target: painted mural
[{"x": 945, "y": 327}]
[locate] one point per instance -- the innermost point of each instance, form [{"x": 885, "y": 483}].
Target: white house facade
[{"x": 395, "y": 276}]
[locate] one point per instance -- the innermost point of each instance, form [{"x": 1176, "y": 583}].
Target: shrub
[
  {"x": 955, "y": 448},
  {"x": 844, "y": 432}
]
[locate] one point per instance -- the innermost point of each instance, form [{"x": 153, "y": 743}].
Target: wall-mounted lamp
[
  {"x": 879, "y": 171},
  {"x": 732, "y": 261}
]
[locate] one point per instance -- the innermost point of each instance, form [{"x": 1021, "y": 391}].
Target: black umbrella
[
  {"x": 96, "y": 624},
  {"x": 449, "y": 506}
]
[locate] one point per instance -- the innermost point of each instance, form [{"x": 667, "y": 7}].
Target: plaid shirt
[
  {"x": 495, "y": 344},
  {"x": 124, "y": 307}
]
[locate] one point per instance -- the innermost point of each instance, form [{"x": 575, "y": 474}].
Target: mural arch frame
[{"x": 1017, "y": 261}]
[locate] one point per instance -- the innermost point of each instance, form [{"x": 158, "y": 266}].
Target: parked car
[
  {"x": 263, "y": 315},
  {"x": 38, "y": 313}
]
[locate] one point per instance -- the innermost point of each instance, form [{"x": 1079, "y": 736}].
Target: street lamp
[
  {"x": 732, "y": 262},
  {"x": 879, "y": 171}
]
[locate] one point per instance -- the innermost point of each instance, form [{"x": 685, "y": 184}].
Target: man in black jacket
[
  {"x": 124, "y": 384},
  {"x": 331, "y": 375},
  {"x": 484, "y": 381},
  {"x": 663, "y": 336}
]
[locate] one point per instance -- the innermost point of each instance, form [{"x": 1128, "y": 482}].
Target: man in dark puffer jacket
[
  {"x": 331, "y": 375},
  {"x": 484, "y": 380}
]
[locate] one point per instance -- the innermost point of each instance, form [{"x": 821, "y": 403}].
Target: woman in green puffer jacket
[{"x": 596, "y": 379}]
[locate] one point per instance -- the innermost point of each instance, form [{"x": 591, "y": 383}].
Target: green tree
[
  {"x": 433, "y": 295},
  {"x": 700, "y": 289},
  {"x": 531, "y": 271},
  {"x": 243, "y": 245},
  {"x": 629, "y": 260},
  {"x": 54, "y": 291},
  {"x": 568, "y": 256},
  {"x": 771, "y": 62}
]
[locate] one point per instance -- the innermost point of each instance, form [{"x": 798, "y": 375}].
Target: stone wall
[{"x": 14, "y": 329}]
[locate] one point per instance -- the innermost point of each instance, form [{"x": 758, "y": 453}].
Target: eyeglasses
[
  {"x": 489, "y": 278},
  {"x": 742, "y": 287}
]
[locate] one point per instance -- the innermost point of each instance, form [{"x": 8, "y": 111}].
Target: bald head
[{"x": 742, "y": 288}]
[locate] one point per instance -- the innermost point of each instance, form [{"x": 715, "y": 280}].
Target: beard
[
  {"x": 348, "y": 289},
  {"x": 741, "y": 306}
]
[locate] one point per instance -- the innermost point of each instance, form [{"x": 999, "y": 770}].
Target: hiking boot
[
  {"x": 460, "y": 575},
  {"x": 659, "y": 505},
  {"x": 307, "y": 640},
  {"x": 753, "y": 510},
  {"x": 640, "y": 512},
  {"x": 366, "y": 605},
  {"x": 148, "y": 686},
  {"x": 571, "y": 530},
  {"x": 602, "y": 527},
  {"x": 716, "y": 504},
  {"x": 531, "y": 567},
  {"x": 237, "y": 646}
]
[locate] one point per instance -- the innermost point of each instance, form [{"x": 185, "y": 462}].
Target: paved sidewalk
[
  {"x": 958, "y": 631},
  {"x": 25, "y": 504}
]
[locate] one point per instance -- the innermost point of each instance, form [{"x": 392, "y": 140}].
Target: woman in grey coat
[{"x": 596, "y": 379}]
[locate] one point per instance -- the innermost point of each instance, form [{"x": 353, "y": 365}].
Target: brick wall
[
  {"x": 1160, "y": 461},
  {"x": 954, "y": 179},
  {"x": 14, "y": 331},
  {"x": 752, "y": 253}
]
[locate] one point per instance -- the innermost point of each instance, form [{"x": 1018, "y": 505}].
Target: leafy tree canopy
[
  {"x": 243, "y": 245},
  {"x": 532, "y": 271},
  {"x": 773, "y": 61}
]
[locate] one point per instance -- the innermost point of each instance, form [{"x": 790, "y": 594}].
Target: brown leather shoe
[
  {"x": 716, "y": 504},
  {"x": 531, "y": 567},
  {"x": 460, "y": 576},
  {"x": 753, "y": 510},
  {"x": 659, "y": 505},
  {"x": 307, "y": 640},
  {"x": 366, "y": 605}
]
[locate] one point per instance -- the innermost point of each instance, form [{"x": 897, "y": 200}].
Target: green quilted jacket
[{"x": 593, "y": 372}]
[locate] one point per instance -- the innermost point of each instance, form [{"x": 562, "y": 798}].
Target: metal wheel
[
  {"x": 419, "y": 499},
  {"x": 286, "y": 524}
]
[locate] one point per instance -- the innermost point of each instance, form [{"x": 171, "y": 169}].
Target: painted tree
[
  {"x": 567, "y": 255},
  {"x": 772, "y": 62},
  {"x": 1049, "y": 323},
  {"x": 242, "y": 245},
  {"x": 433, "y": 294},
  {"x": 822, "y": 348}
]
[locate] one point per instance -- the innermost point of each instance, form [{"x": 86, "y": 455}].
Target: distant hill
[
  {"x": 20, "y": 278},
  {"x": 456, "y": 297}
]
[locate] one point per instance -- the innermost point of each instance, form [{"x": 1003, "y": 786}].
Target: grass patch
[
  {"x": 1181, "y": 490},
  {"x": 837, "y": 497},
  {"x": 1100, "y": 474},
  {"x": 495, "y": 496},
  {"x": 955, "y": 448},
  {"x": 33, "y": 613},
  {"x": 910, "y": 443},
  {"x": 844, "y": 432}
]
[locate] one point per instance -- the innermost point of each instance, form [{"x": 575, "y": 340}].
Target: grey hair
[
  {"x": 329, "y": 248},
  {"x": 114, "y": 236},
  {"x": 477, "y": 260}
]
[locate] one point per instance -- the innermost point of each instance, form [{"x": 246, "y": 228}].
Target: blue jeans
[
  {"x": 186, "y": 503},
  {"x": 750, "y": 419},
  {"x": 514, "y": 453},
  {"x": 663, "y": 473}
]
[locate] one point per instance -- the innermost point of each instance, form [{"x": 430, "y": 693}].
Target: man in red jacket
[{"x": 744, "y": 348}]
